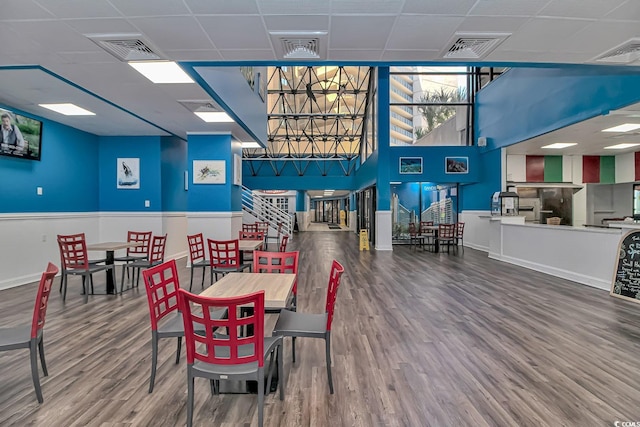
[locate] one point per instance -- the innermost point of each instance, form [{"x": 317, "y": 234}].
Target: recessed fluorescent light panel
[
  {"x": 214, "y": 116},
  {"x": 560, "y": 145},
  {"x": 162, "y": 71},
  {"x": 68, "y": 109},
  {"x": 250, "y": 144},
  {"x": 621, "y": 146},
  {"x": 627, "y": 127}
]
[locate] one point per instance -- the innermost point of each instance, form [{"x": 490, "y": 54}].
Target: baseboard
[
  {"x": 178, "y": 255},
  {"x": 477, "y": 247},
  {"x": 19, "y": 281}
]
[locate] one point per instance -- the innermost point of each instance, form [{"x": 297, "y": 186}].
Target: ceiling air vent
[
  {"x": 126, "y": 47},
  {"x": 472, "y": 45},
  {"x": 300, "y": 45},
  {"x": 197, "y": 105},
  {"x": 625, "y": 53}
]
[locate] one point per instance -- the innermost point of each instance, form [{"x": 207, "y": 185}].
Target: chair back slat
[
  {"x": 250, "y": 235},
  {"x": 283, "y": 243},
  {"x": 223, "y": 253},
  {"x": 424, "y": 225},
  {"x": 196, "y": 247},
  {"x": 139, "y": 237},
  {"x": 73, "y": 251},
  {"x": 42, "y": 299},
  {"x": 234, "y": 348},
  {"x": 250, "y": 227},
  {"x": 332, "y": 290},
  {"x": 277, "y": 262},
  {"x": 459, "y": 229},
  {"x": 162, "y": 285},
  {"x": 446, "y": 231},
  {"x": 263, "y": 226},
  {"x": 413, "y": 231},
  {"x": 156, "y": 250}
]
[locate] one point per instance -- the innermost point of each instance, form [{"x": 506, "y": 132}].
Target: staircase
[{"x": 265, "y": 211}]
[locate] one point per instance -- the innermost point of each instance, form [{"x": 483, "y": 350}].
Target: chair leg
[
  {"x": 328, "y": 350},
  {"x": 42, "y": 361},
  {"x": 34, "y": 369},
  {"x": 124, "y": 267},
  {"x": 204, "y": 271},
  {"x": 189, "y": 397},
  {"x": 115, "y": 282},
  {"x": 191, "y": 281},
  {"x": 154, "y": 359},
  {"x": 280, "y": 358},
  {"x": 178, "y": 351},
  {"x": 86, "y": 291},
  {"x": 293, "y": 349},
  {"x": 260, "y": 397},
  {"x": 62, "y": 276},
  {"x": 64, "y": 287}
]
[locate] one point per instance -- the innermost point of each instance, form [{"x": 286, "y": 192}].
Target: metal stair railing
[{"x": 265, "y": 211}]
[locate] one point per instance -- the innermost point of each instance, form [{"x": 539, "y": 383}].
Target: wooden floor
[{"x": 419, "y": 340}]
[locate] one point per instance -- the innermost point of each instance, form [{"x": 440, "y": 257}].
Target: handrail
[{"x": 265, "y": 211}]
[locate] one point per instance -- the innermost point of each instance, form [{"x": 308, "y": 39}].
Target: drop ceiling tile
[
  {"x": 354, "y": 55},
  {"x": 297, "y": 22},
  {"x": 150, "y": 8},
  {"x": 23, "y": 9},
  {"x": 492, "y": 23},
  {"x": 193, "y": 55},
  {"x": 508, "y": 7},
  {"x": 629, "y": 10},
  {"x": 18, "y": 45},
  {"x": 411, "y": 55},
  {"x": 510, "y": 56},
  {"x": 222, "y": 7},
  {"x": 438, "y": 7},
  {"x": 189, "y": 35},
  {"x": 236, "y": 31},
  {"x": 363, "y": 7},
  {"x": 103, "y": 25},
  {"x": 358, "y": 32},
  {"x": 248, "y": 55},
  {"x": 579, "y": 8},
  {"x": 539, "y": 34},
  {"x": 590, "y": 39},
  {"x": 81, "y": 58},
  {"x": 422, "y": 31},
  {"x": 293, "y": 7},
  {"x": 80, "y": 8},
  {"x": 53, "y": 36}
]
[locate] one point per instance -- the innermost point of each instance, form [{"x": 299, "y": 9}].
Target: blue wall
[
  {"x": 67, "y": 173},
  {"x": 173, "y": 157},
  {"x": 147, "y": 149}
]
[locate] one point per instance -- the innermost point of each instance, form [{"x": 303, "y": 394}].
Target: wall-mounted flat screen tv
[{"x": 20, "y": 136}]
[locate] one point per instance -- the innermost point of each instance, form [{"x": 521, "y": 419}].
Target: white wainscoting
[
  {"x": 215, "y": 225},
  {"x": 476, "y": 229},
  {"x": 353, "y": 221}
]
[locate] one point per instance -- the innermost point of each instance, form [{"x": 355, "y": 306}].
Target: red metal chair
[
  {"x": 224, "y": 257},
  {"x": 278, "y": 262},
  {"x": 250, "y": 235},
  {"x": 459, "y": 236},
  {"x": 155, "y": 256},
  {"x": 250, "y": 227},
  {"x": 295, "y": 324},
  {"x": 31, "y": 336},
  {"x": 446, "y": 235},
  {"x": 135, "y": 253},
  {"x": 283, "y": 243},
  {"x": 427, "y": 235},
  {"x": 413, "y": 235},
  {"x": 75, "y": 262},
  {"x": 227, "y": 357},
  {"x": 197, "y": 256}
]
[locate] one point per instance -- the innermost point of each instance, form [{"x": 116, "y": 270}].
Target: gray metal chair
[
  {"x": 228, "y": 357},
  {"x": 31, "y": 336},
  {"x": 155, "y": 257},
  {"x": 295, "y": 324},
  {"x": 135, "y": 253},
  {"x": 224, "y": 257},
  {"x": 197, "y": 257}
]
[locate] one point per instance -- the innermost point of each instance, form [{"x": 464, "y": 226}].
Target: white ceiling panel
[
  {"x": 79, "y": 8},
  {"x": 358, "y": 32},
  {"x": 580, "y": 8},
  {"x": 492, "y": 23},
  {"x": 101, "y": 26},
  {"x": 422, "y": 31},
  {"x": 590, "y": 39},
  {"x": 150, "y": 8},
  {"x": 247, "y": 54},
  {"x": 297, "y": 22},
  {"x": 538, "y": 34},
  {"x": 178, "y": 32},
  {"x": 361, "y": 7},
  {"x": 514, "y": 56},
  {"x": 237, "y": 32},
  {"x": 354, "y": 55},
  {"x": 193, "y": 55},
  {"x": 630, "y": 10},
  {"x": 22, "y": 9},
  {"x": 438, "y": 7},
  {"x": 508, "y": 7},
  {"x": 18, "y": 45},
  {"x": 410, "y": 55},
  {"x": 293, "y": 7},
  {"x": 98, "y": 57},
  {"x": 222, "y": 7},
  {"x": 53, "y": 36}
]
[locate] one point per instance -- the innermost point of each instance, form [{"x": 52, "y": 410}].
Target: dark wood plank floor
[{"x": 419, "y": 340}]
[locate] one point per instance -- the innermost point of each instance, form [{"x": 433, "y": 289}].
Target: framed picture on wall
[
  {"x": 209, "y": 172},
  {"x": 128, "y": 173},
  {"x": 410, "y": 164},
  {"x": 237, "y": 170},
  {"x": 456, "y": 164}
]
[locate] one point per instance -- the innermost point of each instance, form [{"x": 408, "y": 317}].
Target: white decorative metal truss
[{"x": 317, "y": 118}]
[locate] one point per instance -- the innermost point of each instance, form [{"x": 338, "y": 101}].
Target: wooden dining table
[
  {"x": 110, "y": 248},
  {"x": 249, "y": 245},
  {"x": 433, "y": 228}
]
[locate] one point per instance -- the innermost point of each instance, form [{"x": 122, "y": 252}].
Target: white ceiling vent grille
[
  {"x": 472, "y": 45},
  {"x": 300, "y": 45},
  {"x": 198, "y": 105},
  {"x": 127, "y": 47},
  {"x": 625, "y": 53}
]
